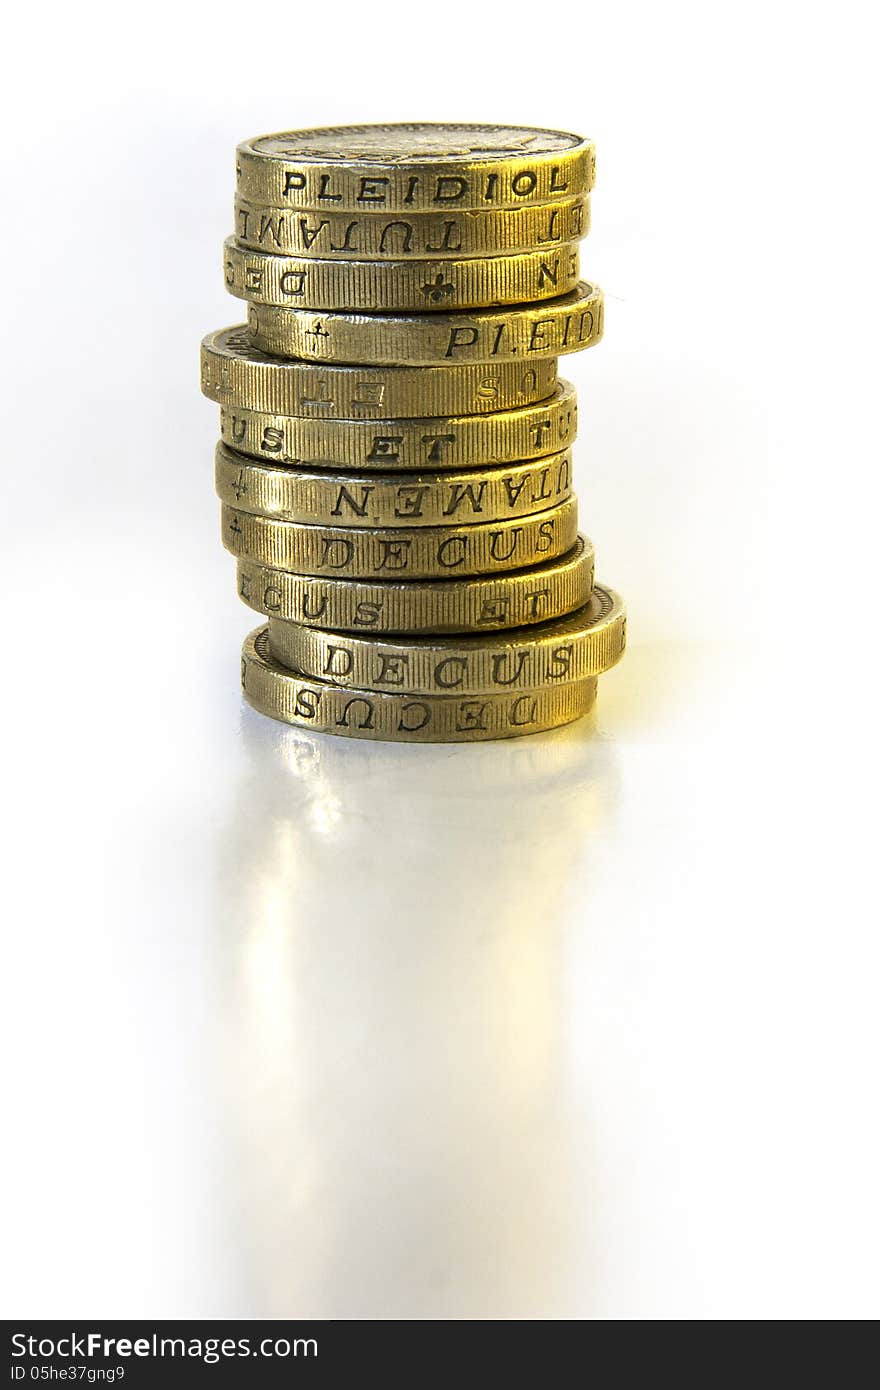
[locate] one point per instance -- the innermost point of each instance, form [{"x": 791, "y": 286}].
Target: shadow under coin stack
[{"x": 395, "y": 462}]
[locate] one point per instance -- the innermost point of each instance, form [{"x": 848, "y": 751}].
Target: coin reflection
[{"x": 398, "y": 1051}]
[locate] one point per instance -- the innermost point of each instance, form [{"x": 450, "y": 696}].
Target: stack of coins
[{"x": 395, "y": 462}]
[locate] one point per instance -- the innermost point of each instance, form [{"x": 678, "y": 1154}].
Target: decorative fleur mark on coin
[
  {"x": 317, "y": 331},
  {"x": 438, "y": 289},
  {"x": 240, "y": 487}
]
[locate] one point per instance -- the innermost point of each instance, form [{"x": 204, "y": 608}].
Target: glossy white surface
[{"x": 575, "y": 1026}]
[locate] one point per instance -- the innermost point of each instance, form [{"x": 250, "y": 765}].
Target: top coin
[{"x": 415, "y": 167}]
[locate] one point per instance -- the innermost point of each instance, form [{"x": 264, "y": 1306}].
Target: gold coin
[
  {"x": 236, "y": 374},
  {"x": 429, "y": 552},
  {"x": 317, "y": 705},
  {"x": 577, "y": 647},
  {"x": 391, "y": 499},
  {"x": 483, "y": 603},
  {"x": 528, "y": 332},
  {"x": 504, "y": 436},
  {"x": 263, "y": 278},
  {"x": 417, "y": 166},
  {"x": 369, "y": 236}
]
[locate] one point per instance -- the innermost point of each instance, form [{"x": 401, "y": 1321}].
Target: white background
[{"x": 575, "y": 1026}]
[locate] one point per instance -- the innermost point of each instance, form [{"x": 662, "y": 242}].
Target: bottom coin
[
  {"x": 312, "y": 704},
  {"x": 478, "y": 604}
]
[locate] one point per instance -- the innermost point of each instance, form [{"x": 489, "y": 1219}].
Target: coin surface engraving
[
  {"x": 480, "y": 603},
  {"x": 395, "y": 499},
  {"x": 429, "y": 552},
  {"x": 579, "y": 646},
  {"x": 420, "y": 235},
  {"x": 411, "y": 166},
  {"x": 504, "y": 436},
  {"x": 286, "y": 281},
  {"x": 274, "y": 690},
  {"x": 235, "y": 373},
  {"x": 529, "y": 332}
]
